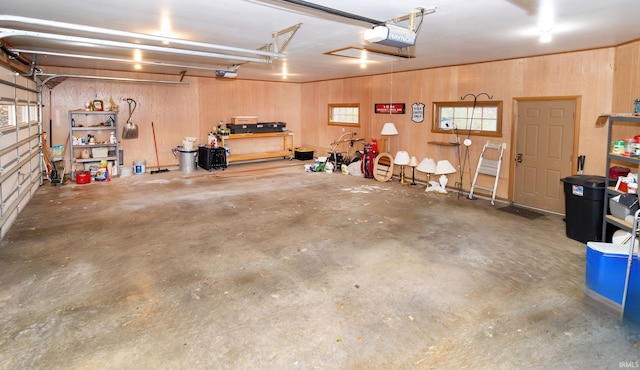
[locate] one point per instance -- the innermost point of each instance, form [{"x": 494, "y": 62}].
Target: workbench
[{"x": 287, "y": 151}]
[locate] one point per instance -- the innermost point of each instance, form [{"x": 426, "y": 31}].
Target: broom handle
[{"x": 154, "y": 144}]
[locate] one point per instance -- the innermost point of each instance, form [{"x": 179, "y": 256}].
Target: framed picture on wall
[{"x": 97, "y": 105}]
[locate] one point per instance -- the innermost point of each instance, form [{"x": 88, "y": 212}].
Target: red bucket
[{"x": 83, "y": 177}]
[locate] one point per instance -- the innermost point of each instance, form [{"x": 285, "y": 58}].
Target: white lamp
[
  {"x": 443, "y": 168},
  {"x": 402, "y": 159},
  {"x": 389, "y": 129},
  {"x": 413, "y": 163},
  {"x": 427, "y": 166}
]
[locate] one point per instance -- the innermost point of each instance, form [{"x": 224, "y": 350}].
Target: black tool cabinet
[{"x": 212, "y": 158}]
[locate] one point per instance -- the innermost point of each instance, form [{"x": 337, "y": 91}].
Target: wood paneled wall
[
  {"x": 626, "y": 86},
  {"x": 605, "y": 80},
  {"x": 177, "y": 111},
  {"x": 587, "y": 74}
]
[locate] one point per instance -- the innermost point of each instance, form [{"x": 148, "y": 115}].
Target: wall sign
[
  {"x": 417, "y": 112},
  {"x": 390, "y": 108}
]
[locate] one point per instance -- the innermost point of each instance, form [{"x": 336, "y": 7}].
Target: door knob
[{"x": 519, "y": 158}]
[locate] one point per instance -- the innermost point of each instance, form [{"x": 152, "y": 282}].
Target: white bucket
[
  {"x": 187, "y": 143},
  {"x": 126, "y": 171},
  {"x": 139, "y": 167}
]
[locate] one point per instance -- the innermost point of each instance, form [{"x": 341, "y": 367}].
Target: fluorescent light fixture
[
  {"x": 79, "y": 56},
  {"x": 4, "y": 32}
]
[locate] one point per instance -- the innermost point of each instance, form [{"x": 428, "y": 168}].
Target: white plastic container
[
  {"x": 139, "y": 167},
  {"x": 126, "y": 171}
]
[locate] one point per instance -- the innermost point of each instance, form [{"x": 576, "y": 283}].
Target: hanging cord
[{"x": 466, "y": 147}]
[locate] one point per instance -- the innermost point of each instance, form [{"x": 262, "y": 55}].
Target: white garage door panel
[
  {"x": 24, "y": 133},
  {"x": 6, "y": 91},
  {"x": 22, "y": 95},
  {"x": 20, "y": 153}
]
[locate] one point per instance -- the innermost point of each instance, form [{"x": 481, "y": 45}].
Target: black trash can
[{"x": 584, "y": 206}]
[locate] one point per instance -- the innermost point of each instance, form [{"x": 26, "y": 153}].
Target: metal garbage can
[
  {"x": 187, "y": 159},
  {"x": 584, "y": 207}
]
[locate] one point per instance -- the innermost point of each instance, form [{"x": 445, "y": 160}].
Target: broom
[{"x": 156, "y": 146}]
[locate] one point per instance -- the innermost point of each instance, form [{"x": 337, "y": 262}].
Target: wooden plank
[{"x": 254, "y": 156}]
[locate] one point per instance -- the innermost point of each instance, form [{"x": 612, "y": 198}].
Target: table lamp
[
  {"x": 427, "y": 166},
  {"x": 389, "y": 129},
  {"x": 401, "y": 159},
  {"x": 443, "y": 168}
]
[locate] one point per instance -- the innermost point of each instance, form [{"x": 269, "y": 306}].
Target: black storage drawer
[{"x": 212, "y": 158}]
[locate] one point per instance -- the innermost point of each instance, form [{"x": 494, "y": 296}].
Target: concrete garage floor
[{"x": 264, "y": 266}]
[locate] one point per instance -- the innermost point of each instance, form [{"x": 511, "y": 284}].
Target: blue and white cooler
[{"x": 606, "y": 270}]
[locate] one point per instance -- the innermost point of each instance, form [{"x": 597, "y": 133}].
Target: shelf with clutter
[{"x": 93, "y": 142}]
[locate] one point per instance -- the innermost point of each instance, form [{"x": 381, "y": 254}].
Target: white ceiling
[{"x": 459, "y": 32}]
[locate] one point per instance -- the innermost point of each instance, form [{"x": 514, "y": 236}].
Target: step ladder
[{"x": 489, "y": 165}]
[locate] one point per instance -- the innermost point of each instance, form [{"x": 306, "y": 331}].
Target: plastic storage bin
[
  {"x": 623, "y": 205},
  {"x": 99, "y": 152},
  {"x": 584, "y": 206},
  {"x": 303, "y": 154}
]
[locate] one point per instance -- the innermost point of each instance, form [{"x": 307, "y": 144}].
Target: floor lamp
[
  {"x": 389, "y": 129},
  {"x": 413, "y": 163}
]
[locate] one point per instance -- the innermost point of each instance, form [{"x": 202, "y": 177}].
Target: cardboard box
[{"x": 243, "y": 120}]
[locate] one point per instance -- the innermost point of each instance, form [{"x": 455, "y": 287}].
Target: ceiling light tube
[
  {"x": 108, "y": 31},
  {"x": 68, "y": 55},
  {"x": 5, "y": 32}
]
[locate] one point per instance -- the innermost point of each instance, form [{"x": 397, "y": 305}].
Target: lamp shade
[
  {"x": 444, "y": 167},
  {"x": 413, "y": 162},
  {"x": 401, "y": 158},
  {"x": 389, "y": 129},
  {"x": 427, "y": 165}
]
